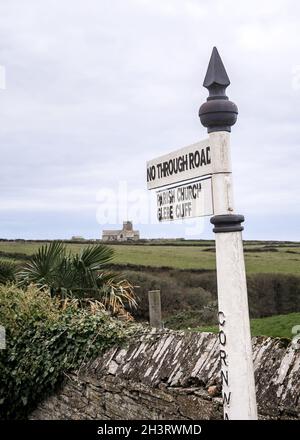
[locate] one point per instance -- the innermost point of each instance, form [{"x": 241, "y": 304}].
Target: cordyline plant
[{"x": 82, "y": 276}]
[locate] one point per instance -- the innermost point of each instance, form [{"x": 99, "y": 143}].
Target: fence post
[{"x": 155, "y": 308}]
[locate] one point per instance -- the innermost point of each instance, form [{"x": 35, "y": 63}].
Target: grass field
[
  {"x": 185, "y": 257},
  {"x": 261, "y": 258},
  {"x": 275, "y": 326},
  {"x": 285, "y": 258}
]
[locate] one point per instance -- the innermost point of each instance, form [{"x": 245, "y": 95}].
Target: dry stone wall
[{"x": 173, "y": 375}]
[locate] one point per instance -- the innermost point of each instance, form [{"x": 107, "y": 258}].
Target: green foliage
[
  {"x": 179, "y": 291},
  {"x": 82, "y": 275},
  {"x": 51, "y": 266},
  {"x": 45, "y": 338},
  {"x": 193, "y": 318},
  {"x": 275, "y": 326},
  {"x": 7, "y": 271},
  {"x": 273, "y": 294},
  {"x": 184, "y": 291}
]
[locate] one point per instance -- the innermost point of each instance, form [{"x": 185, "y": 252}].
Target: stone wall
[{"x": 173, "y": 375}]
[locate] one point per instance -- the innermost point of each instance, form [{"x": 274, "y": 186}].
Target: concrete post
[
  {"x": 218, "y": 114},
  {"x": 155, "y": 308}
]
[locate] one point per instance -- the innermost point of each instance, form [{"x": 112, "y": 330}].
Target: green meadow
[
  {"x": 271, "y": 267},
  {"x": 274, "y": 326},
  {"x": 260, "y": 258}
]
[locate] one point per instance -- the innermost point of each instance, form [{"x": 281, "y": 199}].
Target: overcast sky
[{"x": 95, "y": 88}]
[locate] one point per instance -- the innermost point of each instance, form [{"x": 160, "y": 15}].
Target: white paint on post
[
  {"x": 185, "y": 201},
  {"x": 237, "y": 372},
  {"x": 221, "y": 178},
  {"x": 187, "y": 163},
  {"x": 235, "y": 339},
  {"x": 211, "y": 158}
]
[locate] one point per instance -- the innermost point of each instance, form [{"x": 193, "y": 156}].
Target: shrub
[
  {"x": 185, "y": 290},
  {"x": 273, "y": 294},
  {"x": 176, "y": 294},
  {"x": 46, "y": 337},
  {"x": 193, "y": 318},
  {"x": 82, "y": 275},
  {"x": 7, "y": 271}
]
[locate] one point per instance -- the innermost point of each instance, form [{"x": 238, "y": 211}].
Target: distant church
[{"x": 125, "y": 234}]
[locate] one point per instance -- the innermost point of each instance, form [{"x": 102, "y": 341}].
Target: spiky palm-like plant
[{"x": 84, "y": 275}]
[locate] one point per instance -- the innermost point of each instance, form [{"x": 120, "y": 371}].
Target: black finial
[
  {"x": 216, "y": 79},
  {"x": 218, "y": 113}
]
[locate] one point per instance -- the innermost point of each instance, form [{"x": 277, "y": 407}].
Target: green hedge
[
  {"x": 189, "y": 290},
  {"x": 43, "y": 340}
]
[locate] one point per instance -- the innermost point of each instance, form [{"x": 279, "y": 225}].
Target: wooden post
[
  {"x": 218, "y": 114},
  {"x": 155, "y": 308}
]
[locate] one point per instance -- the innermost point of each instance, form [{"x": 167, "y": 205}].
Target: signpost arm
[{"x": 218, "y": 114}]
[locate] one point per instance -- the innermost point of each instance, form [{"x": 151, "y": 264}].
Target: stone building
[
  {"x": 77, "y": 238},
  {"x": 125, "y": 234}
]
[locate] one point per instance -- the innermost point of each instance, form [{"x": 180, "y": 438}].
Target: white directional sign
[
  {"x": 185, "y": 201},
  {"x": 187, "y": 163}
]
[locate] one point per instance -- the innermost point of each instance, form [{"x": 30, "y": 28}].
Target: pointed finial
[
  {"x": 218, "y": 113},
  {"x": 216, "y": 79},
  {"x": 216, "y": 72}
]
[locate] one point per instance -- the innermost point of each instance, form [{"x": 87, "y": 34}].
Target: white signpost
[
  {"x": 185, "y": 201},
  {"x": 211, "y": 158},
  {"x": 188, "y": 163}
]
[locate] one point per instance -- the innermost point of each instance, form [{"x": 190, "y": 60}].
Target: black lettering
[
  {"x": 175, "y": 165},
  {"x": 182, "y": 163},
  {"x": 189, "y": 207},
  {"x": 159, "y": 170},
  {"x": 222, "y": 337},
  {"x": 208, "y": 160},
  {"x": 203, "y": 158},
  {"x": 191, "y": 159},
  {"x": 221, "y": 318},
  {"x": 226, "y": 399},
  {"x": 151, "y": 173},
  {"x": 159, "y": 214},
  {"x": 197, "y": 158},
  {"x": 223, "y": 356},
  {"x": 165, "y": 169},
  {"x": 224, "y": 377}
]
